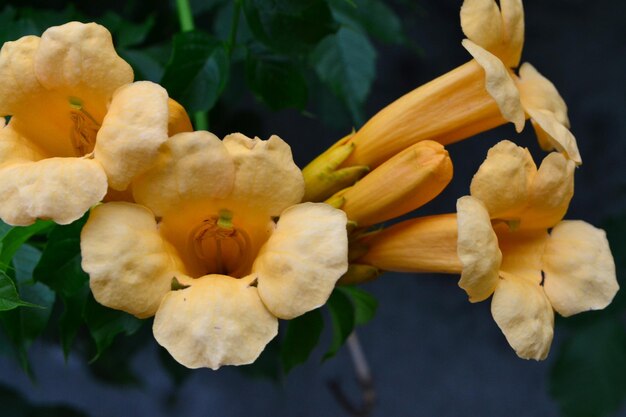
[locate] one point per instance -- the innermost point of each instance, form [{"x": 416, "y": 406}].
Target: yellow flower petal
[
  {"x": 266, "y": 176},
  {"x": 478, "y": 249},
  {"x": 80, "y": 60},
  {"x": 513, "y": 18},
  {"x": 523, "y": 313},
  {"x": 178, "y": 121},
  {"x": 537, "y": 92},
  {"x": 550, "y": 193},
  {"x": 61, "y": 189},
  {"x": 14, "y": 148},
  {"x": 298, "y": 266},
  {"x": 191, "y": 167},
  {"x": 522, "y": 252},
  {"x": 550, "y": 131},
  {"x": 424, "y": 244},
  {"x": 499, "y": 84},
  {"x": 503, "y": 181},
  {"x": 17, "y": 75},
  {"x": 579, "y": 268},
  {"x": 132, "y": 132},
  {"x": 481, "y": 22},
  {"x": 217, "y": 321},
  {"x": 129, "y": 264}
]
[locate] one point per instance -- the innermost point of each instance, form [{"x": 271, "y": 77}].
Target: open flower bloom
[
  {"x": 495, "y": 40},
  {"x": 203, "y": 250},
  {"x": 78, "y": 123},
  {"x": 513, "y": 244}
]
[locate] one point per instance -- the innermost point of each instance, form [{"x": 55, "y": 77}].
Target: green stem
[
  {"x": 234, "y": 25},
  {"x": 185, "y": 16}
]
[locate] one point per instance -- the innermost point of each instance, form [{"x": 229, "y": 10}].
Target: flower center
[
  {"x": 221, "y": 247},
  {"x": 84, "y": 128}
]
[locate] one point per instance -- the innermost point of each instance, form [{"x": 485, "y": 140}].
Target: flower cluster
[{"x": 218, "y": 239}]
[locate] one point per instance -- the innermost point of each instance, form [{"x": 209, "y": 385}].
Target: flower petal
[
  {"x": 537, "y": 92},
  {"x": 178, "y": 121},
  {"x": 217, "y": 321},
  {"x": 550, "y": 131},
  {"x": 191, "y": 167},
  {"x": 14, "y": 148},
  {"x": 129, "y": 264},
  {"x": 266, "y": 176},
  {"x": 522, "y": 252},
  {"x": 80, "y": 60},
  {"x": 499, "y": 84},
  {"x": 132, "y": 131},
  {"x": 477, "y": 248},
  {"x": 298, "y": 266},
  {"x": 18, "y": 81},
  {"x": 481, "y": 22},
  {"x": 513, "y": 18},
  {"x": 61, "y": 189},
  {"x": 502, "y": 182},
  {"x": 523, "y": 313},
  {"x": 550, "y": 193},
  {"x": 579, "y": 268}
]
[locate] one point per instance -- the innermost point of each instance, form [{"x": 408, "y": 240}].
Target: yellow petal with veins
[
  {"x": 513, "y": 19},
  {"x": 550, "y": 193},
  {"x": 524, "y": 314},
  {"x": 266, "y": 176},
  {"x": 61, "y": 189},
  {"x": 298, "y": 266},
  {"x": 481, "y": 22},
  {"x": 80, "y": 60},
  {"x": 130, "y": 265},
  {"x": 579, "y": 268},
  {"x": 477, "y": 249},
  {"x": 191, "y": 167},
  {"x": 550, "y": 131},
  {"x": 133, "y": 130},
  {"x": 216, "y": 321},
  {"x": 503, "y": 180},
  {"x": 537, "y": 92},
  {"x": 499, "y": 84},
  {"x": 522, "y": 252}
]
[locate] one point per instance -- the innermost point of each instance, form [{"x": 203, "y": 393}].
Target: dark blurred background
[{"x": 431, "y": 352}]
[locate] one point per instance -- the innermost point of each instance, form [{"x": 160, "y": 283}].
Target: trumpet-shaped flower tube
[
  {"x": 202, "y": 249},
  {"x": 78, "y": 123}
]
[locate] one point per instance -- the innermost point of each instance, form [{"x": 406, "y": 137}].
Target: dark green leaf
[
  {"x": 301, "y": 337},
  {"x": 364, "y": 304},
  {"x": 59, "y": 266},
  {"x": 198, "y": 70},
  {"x": 72, "y": 318},
  {"x": 345, "y": 62},
  {"x": 343, "y": 321},
  {"x": 127, "y": 33},
  {"x": 104, "y": 324},
  {"x": 9, "y": 299},
  {"x": 16, "y": 237},
  {"x": 370, "y": 16},
  {"x": 144, "y": 66},
  {"x": 277, "y": 83},
  {"x": 589, "y": 376},
  {"x": 289, "y": 26}
]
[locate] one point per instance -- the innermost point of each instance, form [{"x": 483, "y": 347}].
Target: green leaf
[
  {"x": 343, "y": 320},
  {"x": 144, "y": 65},
  {"x": 370, "y": 16},
  {"x": 276, "y": 82},
  {"x": 16, "y": 237},
  {"x": 9, "y": 299},
  {"x": 345, "y": 62},
  {"x": 197, "y": 71},
  {"x": 105, "y": 324},
  {"x": 267, "y": 365},
  {"x": 365, "y": 304},
  {"x": 289, "y": 26},
  {"x": 589, "y": 376},
  {"x": 127, "y": 33},
  {"x": 59, "y": 266},
  {"x": 302, "y": 335}
]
